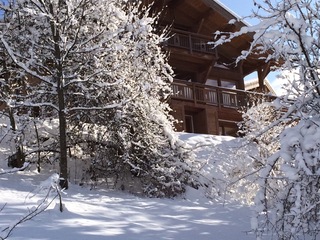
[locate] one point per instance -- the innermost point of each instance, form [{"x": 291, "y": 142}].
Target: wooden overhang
[{"x": 205, "y": 17}]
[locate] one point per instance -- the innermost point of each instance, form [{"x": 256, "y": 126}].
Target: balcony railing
[
  {"x": 221, "y": 97},
  {"x": 190, "y": 41}
]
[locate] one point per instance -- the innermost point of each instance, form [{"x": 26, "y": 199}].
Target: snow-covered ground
[{"x": 109, "y": 214}]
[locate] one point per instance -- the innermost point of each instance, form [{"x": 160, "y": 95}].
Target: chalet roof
[
  {"x": 205, "y": 17},
  {"x": 254, "y": 84},
  {"x": 227, "y": 12}
]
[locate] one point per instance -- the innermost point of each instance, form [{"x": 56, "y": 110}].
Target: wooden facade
[{"x": 209, "y": 87}]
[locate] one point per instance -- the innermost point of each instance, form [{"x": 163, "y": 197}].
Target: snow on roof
[
  {"x": 235, "y": 15},
  {"x": 228, "y": 9},
  {"x": 254, "y": 83}
]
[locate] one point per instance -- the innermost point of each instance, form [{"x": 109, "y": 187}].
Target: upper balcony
[
  {"x": 216, "y": 96},
  {"x": 191, "y": 42}
]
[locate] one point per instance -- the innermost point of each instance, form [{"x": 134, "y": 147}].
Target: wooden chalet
[{"x": 209, "y": 87}]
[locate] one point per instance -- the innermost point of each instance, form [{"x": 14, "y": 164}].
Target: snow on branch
[
  {"x": 109, "y": 106},
  {"x": 25, "y": 165},
  {"x": 22, "y": 65}
]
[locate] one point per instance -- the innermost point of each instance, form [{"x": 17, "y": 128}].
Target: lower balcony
[{"x": 217, "y": 96}]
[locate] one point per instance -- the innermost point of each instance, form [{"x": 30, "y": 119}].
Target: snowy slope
[{"x": 107, "y": 214}]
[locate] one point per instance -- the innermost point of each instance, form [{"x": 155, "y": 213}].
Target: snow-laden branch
[
  {"x": 44, "y": 104},
  {"x": 91, "y": 76},
  {"x": 110, "y": 106},
  {"x": 22, "y": 65},
  {"x": 88, "y": 49},
  {"x": 14, "y": 170}
]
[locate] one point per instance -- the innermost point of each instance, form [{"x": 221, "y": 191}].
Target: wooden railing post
[
  {"x": 194, "y": 93},
  {"x": 190, "y": 43},
  {"x": 219, "y": 96}
]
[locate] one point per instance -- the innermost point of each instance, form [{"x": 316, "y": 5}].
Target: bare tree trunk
[
  {"x": 17, "y": 159},
  {"x": 12, "y": 120},
  {"x": 38, "y": 141},
  {"x": 58, "y": 77},
  {"x": 63, "y": 140}
]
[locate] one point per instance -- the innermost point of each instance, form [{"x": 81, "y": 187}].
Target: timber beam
[{"x": 263, "y": 71}]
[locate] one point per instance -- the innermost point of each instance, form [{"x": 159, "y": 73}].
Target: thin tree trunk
[
  {"x": 38, "y": 141},
  {"x": 63, "y": 141},
  {"x": 17, "y": 159},
  {"x": 58, "y": 77}
]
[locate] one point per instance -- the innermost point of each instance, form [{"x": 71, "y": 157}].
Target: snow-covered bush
[
  {"x": 233, "y": 172},
  {"x": 237, "y": 174},
  {"x": 259, "y": 145},
  {"x": 287, "y": 203}
]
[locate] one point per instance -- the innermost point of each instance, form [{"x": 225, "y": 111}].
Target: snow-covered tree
[
  {"x": 12, "y": 85},
  {"x": 287, "y": 204},
  {"x": 257, "y": 117},
  {"x": 98, "y": 67},
  {"x": 145, "y": 155},
  {"x": 64, "y": 49}
]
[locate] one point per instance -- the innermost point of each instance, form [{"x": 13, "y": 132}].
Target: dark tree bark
[{"x": 58, "y": 78}]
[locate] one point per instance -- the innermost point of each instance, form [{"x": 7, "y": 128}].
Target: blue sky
[{"x": 240, "y": 7}]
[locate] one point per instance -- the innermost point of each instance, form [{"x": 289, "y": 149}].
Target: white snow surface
[{"x": 109, "y": 214}]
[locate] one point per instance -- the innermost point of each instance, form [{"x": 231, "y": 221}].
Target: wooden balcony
[
  {"x": 191, "y": 41},
  {"x": 216, "y": 96}
]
